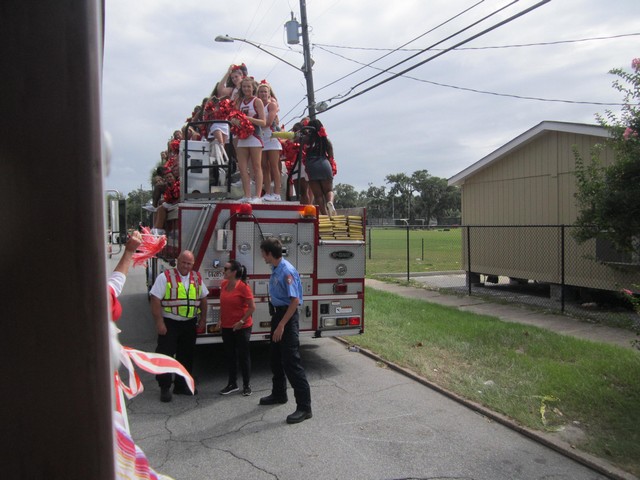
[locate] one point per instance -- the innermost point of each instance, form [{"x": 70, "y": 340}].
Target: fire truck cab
[{"x": 209, "y": 220}]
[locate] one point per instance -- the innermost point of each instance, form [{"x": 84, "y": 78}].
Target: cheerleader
[
  {"x": 319, "y": 165},
  {"x": 230, "y": 83},
  {"x": 249, "y": 149},
  {"x": 271, "y": 169}
]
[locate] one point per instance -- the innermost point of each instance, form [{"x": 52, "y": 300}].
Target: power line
[
  {"x": 516, "y": 45},
  {"x": 422, "y": 51},
  {"x": 474, "y": 90},
  {"x": 448, "y": 38},
  {"x": 292, "y": 109},
  {"x": 400, "y": 47},
  {"x": 456, "y": 87},
  {"x": 486, "y": 92},
  {"x": 473, "y": 37}
]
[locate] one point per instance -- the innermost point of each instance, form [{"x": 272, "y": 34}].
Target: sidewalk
[{"x": 514, "y": 313}]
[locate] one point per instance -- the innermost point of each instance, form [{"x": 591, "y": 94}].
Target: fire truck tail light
[
  {"x": 333, "y": 322},
  {"x": 340, "y": 288},
  {"x": 214, "y": 292}
]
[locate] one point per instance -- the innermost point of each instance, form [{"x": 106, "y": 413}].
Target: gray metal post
[
  {"x": 408, "y": 275},
  {"x": 562, "y": 279},
  {"x": 469, "y": 259}
]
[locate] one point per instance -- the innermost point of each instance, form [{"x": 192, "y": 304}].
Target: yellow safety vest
[{"x": 176, "y": 299}]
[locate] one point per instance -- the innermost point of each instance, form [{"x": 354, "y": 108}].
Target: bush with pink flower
[{"x": 608, "y": 197}]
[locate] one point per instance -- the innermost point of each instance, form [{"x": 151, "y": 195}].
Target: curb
[
  {"x": 591, "y": 461},
  {"x": 378, "y": 276}
]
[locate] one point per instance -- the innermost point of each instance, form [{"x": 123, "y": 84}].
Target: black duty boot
[
  {"x": 273, "y": 400},
  {"x": 299, "y": 416}
]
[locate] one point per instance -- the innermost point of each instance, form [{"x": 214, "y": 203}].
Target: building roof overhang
[{"x": 523, "y": 139}]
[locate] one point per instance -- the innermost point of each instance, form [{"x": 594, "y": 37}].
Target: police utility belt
[{"x": 280, "y": 309}]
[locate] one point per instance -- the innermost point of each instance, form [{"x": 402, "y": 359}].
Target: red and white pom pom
[
  {"x": 151, "y": 245},
  {"x": 242, "y": 128}
]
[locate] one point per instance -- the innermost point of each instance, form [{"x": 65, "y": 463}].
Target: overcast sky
[{"x": 160, "y": 61}]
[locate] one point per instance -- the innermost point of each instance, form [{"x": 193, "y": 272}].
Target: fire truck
[{"x": 209, "y": 220}]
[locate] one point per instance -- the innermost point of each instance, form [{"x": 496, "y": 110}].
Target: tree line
[{"x": 418, "y": 197}]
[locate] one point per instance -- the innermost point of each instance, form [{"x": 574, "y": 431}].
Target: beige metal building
[{"x": 514, "y": 202}]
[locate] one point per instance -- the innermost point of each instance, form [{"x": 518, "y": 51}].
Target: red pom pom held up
[{"x": 151, "y": 245}]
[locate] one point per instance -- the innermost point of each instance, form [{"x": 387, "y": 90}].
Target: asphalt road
[{"x": 369, "y": 422}]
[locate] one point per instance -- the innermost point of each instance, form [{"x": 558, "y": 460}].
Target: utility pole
[
  {"x": 65, "y": 428},
  {"x": 307, "y": 67},
  {"x": 293, "y": 38}
]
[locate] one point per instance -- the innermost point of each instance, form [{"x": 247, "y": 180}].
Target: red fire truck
[{"x": 328, "y": 252}]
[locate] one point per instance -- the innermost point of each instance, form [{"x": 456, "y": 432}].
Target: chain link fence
[
  {"x": 538, "y": 265},
  {"x": 413, "y": 249}
]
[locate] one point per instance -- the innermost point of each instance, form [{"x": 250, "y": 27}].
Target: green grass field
[{"x": 429, "y": 250}]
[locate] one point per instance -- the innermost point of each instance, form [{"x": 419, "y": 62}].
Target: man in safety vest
[{"x": 179, "y": 306}]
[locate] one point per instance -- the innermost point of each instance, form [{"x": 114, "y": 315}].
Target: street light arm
[
  {"x": 308, "y": 63},
  {"x": 228, "y": 39}
]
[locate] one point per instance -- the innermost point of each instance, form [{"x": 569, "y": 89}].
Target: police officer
[
  {"x": 285, "y": 291},
  {"x": 178, "y": 303}
]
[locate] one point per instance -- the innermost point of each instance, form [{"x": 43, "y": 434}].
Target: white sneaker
[
  {"x": 273, "y": 197},
  {"x": 331, "y": 209},
  {"x": 245, "y": 200},
  {"x": 255, "y": 200}
]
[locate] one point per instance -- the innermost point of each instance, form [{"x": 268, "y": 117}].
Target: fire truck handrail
[
  {"x": 340, "y": 242},
  {"x": 199, "y": 226}
]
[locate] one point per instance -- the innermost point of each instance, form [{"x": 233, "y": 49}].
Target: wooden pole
[{"x": 56, "y": 405}]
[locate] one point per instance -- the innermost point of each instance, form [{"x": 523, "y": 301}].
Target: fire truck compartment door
[
  {"x": 306, "y": 248},
  {"x": 287, "y": 233},
  {"x": 341, "y": 261},
  {"x": 297, "y": 242}
]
